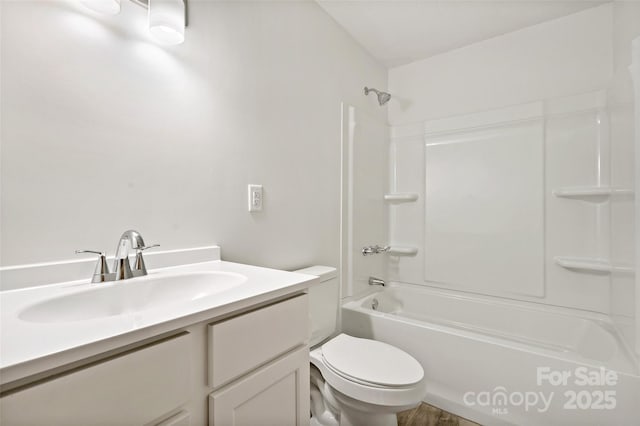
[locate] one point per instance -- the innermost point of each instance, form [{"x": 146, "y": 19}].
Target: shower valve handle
[{"x": 374, "y": 250}]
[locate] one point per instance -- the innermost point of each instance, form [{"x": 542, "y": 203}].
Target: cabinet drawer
[
  {"x": 242, "y": 343},
  {"x": 133, "y": 388}
]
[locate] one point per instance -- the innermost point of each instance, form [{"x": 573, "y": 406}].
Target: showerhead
[{"x": 383, "y": 97}]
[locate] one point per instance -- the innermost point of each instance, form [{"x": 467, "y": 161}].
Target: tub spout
[{"x": 376, "y": 281}]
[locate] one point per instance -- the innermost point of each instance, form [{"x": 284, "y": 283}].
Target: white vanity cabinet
[{"x": 249, "y": 367}]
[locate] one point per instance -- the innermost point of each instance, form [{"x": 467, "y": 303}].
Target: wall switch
[{"x": 255, "y": 198}]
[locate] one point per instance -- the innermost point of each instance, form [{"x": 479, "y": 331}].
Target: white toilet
[{"x": 355, "y": 382}]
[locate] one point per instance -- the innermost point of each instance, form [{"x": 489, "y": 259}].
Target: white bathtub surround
[
  {"x": 473, "y": 347},
  {"x": 520, "y": 149},
  {"x": 576, "y": 66},
  {"x": 509, "y": 207}
]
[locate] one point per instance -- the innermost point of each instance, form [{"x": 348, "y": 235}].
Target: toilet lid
[{"x": 371, "y": 361}]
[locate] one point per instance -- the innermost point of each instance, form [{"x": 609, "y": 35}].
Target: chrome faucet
[
  {"x": 130, "y": 240},
  {"x": 376, "y": 281}
]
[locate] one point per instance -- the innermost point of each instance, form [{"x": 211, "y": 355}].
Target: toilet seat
[
  {"x": 363, "y": 384},
  {"x": 371, "y": 362}
]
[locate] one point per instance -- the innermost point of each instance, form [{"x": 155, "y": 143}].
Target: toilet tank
[{"x": 324, "y": 299}]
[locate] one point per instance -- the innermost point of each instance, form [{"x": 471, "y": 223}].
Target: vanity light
[
  {"x": 167, "y": 21},
  {"x": 110, "y": 7},
  {"x": 166, "y": 18}
]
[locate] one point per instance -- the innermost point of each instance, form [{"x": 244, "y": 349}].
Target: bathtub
[{"x": 497, "y": 361}]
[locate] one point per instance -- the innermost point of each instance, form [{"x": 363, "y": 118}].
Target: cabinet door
[{"x": 275, "y": 395}]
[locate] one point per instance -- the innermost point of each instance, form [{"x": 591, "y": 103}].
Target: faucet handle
[
  {"x": 139, "y": 267},
  {"x": 100, "y": 253},
  {"x": 101, "y": 272},
  {"x": 367, "y": 250}
]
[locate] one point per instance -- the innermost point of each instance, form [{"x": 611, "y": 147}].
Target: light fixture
[
  {"x": 110, "y": 7},
  {"x": 167, "y": 21}
]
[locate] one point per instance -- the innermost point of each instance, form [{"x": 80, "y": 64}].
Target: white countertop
[{"x": 28, "y": 348}]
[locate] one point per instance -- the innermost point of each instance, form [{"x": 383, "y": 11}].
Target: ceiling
[{"x": 397, "y": 32}]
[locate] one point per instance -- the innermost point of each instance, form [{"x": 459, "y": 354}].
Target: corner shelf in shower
[
  {"x": 402, "y": 251},
  {"x": 591, "y": 193},
  {"x": 401, "y": 197},
  {"x": 591, "y": 264}
]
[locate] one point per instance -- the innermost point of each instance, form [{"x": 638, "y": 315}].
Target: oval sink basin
[{"x": 131, "y": 296}]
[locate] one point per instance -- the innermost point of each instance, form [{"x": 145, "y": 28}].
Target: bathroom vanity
[{"x": 210, "y": 343}]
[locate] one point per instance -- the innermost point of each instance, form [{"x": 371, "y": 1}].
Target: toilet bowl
[
  {"x": 354, "y": 381},
  {"x": 363, "y": 382}
]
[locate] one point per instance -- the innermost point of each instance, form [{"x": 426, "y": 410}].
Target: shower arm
[{"x": 367, "y": 90}]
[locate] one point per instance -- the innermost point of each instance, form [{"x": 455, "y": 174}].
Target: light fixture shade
[
  {"x": 109, "y": 7},
  {"x": 167, "y": 21}
]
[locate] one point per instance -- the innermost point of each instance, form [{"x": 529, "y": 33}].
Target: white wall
[
  {"x": 580, "y": 53},
  {"x": 561, "y": 57},
  {"x": 103, "y": 130}
]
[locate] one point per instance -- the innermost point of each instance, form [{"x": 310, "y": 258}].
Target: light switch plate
[{"x": 255, "y": 198}]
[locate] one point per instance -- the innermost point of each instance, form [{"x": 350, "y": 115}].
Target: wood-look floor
[{"x": 427, "y": 415}]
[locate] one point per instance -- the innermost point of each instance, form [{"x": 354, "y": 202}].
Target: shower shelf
[
  {"x": 591, "y": 264},
  {"x": 402, "y": 251},
  {"x": 590, "y": 193},
  {"x": 401, "y": 197}
]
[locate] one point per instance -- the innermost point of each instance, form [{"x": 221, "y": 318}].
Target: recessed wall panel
[{"x": 484, "y": 209}]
